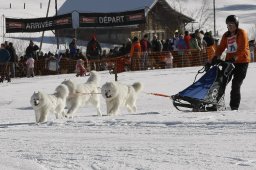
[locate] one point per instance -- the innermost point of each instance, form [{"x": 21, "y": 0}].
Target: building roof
[
  {"x": 107, "y": 6},
  {"x": 104, "y": 6}
]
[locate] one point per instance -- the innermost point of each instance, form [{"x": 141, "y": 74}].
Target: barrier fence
[{"x": 142, "y": 61}]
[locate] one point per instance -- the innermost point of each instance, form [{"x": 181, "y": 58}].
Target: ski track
[
  {"x": 157, "y": 136},
  {"x": 54, "y": 146}
]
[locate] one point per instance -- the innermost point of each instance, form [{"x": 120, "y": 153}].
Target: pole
[
  {"x": 214, "y": 18},
  {"x": 56, "y": 31},
  {"x": 3, "y": 26},
  {"x": 43, "y": 31}
]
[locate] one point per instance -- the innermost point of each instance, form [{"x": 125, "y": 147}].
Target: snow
[{"x": 157, "y": 136}]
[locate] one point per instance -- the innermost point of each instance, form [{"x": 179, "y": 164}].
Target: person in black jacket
[
  {"x": 4, "y": 64},
  {"x": 13, "y": 58},
  {"x": 93, "y": 51},
  {"x": 31, "y": 50}
]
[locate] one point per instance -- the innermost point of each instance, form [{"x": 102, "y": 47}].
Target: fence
[{"x": 145, "y": 61}]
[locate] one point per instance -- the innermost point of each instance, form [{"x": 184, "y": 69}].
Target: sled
[{"x": 207, "y": 93}]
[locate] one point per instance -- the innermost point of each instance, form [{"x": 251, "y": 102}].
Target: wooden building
[{"x": 161, "y": 19}]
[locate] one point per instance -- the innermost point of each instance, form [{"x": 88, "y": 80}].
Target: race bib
[{"x": 232, "y": 44}]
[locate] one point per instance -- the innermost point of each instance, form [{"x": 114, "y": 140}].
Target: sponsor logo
[
  {"x": 88, "y": 20},
  {"x": 135, "y": 17},
  {"x": 62, "y": 21},
  {"x": 14, "y": 25}
]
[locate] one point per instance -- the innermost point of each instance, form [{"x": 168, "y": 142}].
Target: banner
[
  {"x": 38, "y": 24},
  {"x": 112, "y": 19}
]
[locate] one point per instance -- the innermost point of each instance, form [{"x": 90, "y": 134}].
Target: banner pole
[
  {"x": 56, "y": 31},
  {"x": 43, "y": 31},
  {"x": 3, "y": 27}
]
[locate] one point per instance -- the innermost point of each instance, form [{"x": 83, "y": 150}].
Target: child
[
  {"x": 80, "y": 69},
  {"x": 30, "y": 67}
]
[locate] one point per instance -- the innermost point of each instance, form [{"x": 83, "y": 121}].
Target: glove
[
  {"x": 207, "y": 67},
  {"x": 215, "y": 60},
  {"x": 232, "y": 60}
]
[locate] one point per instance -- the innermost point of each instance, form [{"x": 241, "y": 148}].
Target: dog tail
[
  {"x": 137, "y": 86},
  {"x": 94, "y": 78},
  {"x": 62, "y": 91}
]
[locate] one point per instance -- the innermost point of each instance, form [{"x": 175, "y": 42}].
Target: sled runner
[{"x": 207, "y": 93}]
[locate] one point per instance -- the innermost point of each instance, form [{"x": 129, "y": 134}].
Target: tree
[{"x": 201, "y": 13}]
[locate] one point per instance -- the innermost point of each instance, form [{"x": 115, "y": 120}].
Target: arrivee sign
[{"x": 38, "y": 24}]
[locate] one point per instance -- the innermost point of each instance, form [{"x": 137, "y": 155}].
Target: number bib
[{"x": 232, "y": 45}]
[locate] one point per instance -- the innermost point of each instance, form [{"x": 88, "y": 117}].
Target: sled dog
[
  {"x": 43, "y": 103},
  {"x": 83, "y": 94},
  {"x": 117, "y": 95}
]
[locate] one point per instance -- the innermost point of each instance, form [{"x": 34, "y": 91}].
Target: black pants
[{"x": 238, "y": 75}]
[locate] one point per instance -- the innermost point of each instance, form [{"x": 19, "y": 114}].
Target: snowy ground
[{"x": 157, "y": 136}]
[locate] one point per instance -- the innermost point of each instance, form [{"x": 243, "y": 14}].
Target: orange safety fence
[{"x": 150, "y": 60}]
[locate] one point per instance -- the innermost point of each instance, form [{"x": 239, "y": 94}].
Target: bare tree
[
  {"x": 252, "y": 32},
  {"x": 201, "y": 13}
]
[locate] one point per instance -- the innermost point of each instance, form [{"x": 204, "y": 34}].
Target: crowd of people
[{"x": 138, "y": 53}]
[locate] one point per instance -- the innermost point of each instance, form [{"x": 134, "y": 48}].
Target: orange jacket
[
  {"x": 237, "y": 47},
  {"x": 135, "y": 49}
]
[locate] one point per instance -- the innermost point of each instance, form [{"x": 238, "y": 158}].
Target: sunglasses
[{"x": 230, "y": 24}]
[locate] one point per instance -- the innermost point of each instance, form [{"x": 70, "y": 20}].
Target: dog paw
[
  {"x": 134, "y": 108},
  {"x": 68, "y": 116}
]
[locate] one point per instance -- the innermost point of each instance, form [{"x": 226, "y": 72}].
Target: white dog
[
  {"x": 117, "y": 95},
  {"x": 43, "y": 103},
  {"x": 83, "y": 94}
]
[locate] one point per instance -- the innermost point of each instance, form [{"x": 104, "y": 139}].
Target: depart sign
[{"x": 112, "y": 19}]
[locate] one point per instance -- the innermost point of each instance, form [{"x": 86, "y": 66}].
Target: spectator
[
  {"x": 199, "y": 38},
  {"x": 73, "y": 48},
  {"x": 31, "y": 50},
  {"x": 187, "y": 38},
  {"x": 30, "y": 67},
  {"x": 135, "y": 54},
  {"x": 166, "y": 45},
  {"x": 13, "y": 58},
  {"x": 63, "y": 63},
  {"x": 94, "y": 51},
  {"x": 181, "y": 43},
  {"x": 80, "y": 69},
  {"x": 209, "y": 41},
  {"x": 252, "y": 49},
  {"x": 174, "y": 40},
  {"x": 4, "y": 64},
  {"x": 145, "y": 48},
  {"x": 121, "y": 50},
  {"x": 193, "y": 43},
  {"x": 22, "y": 67},
  {"x": 156, "y": 45},
  {"x": 128, "y": 46}
]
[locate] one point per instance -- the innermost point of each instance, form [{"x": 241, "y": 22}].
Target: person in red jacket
[
  {"x": 80, "y": 69},
  {"x": 235, "y": 40},
  {"x": 135, "y": 54}
]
